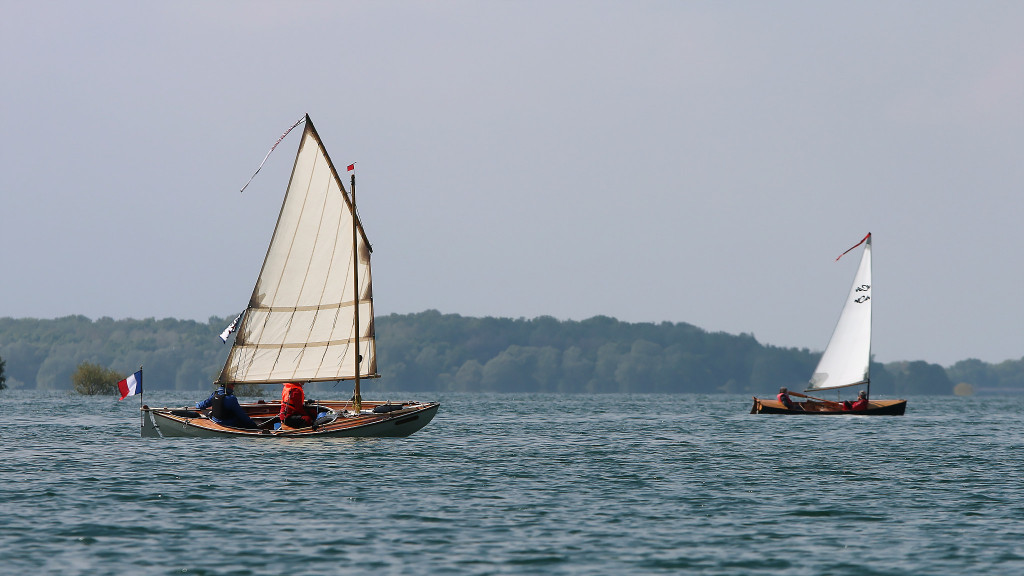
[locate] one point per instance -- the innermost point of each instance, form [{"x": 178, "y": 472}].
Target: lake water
[{"x": 521, "y": 484}]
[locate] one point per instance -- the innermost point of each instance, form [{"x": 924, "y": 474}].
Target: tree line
[{"x": 430, "y": 351}]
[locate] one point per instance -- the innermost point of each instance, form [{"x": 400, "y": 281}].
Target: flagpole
[{"x": 142, "y": 415}]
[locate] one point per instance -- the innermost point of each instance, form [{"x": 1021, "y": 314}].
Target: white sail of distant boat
[
  {"x": 301, "y": 321},
  {"x": 847, "y": 357}
]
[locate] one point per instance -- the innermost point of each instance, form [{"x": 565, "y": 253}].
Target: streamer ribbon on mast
[
  {"x": 268, "y": 153},
  {"x": 863, "y": 240}
]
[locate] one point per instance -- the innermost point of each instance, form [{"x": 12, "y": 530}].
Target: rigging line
[{"x": 301, "y": 120}]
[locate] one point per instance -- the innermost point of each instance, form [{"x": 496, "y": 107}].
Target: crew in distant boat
[
  {"x": 293, "y": 410},
  {"x": 225, "y": 409},
  {"x": 783, "y": 397},
  {"x": 860, "y": 404}
]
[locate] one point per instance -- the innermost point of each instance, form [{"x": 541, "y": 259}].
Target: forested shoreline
[{"x": 430, "y": 351}]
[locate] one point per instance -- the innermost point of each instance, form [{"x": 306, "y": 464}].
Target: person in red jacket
[
  {"x": 859, "y": 405},
  {"x": 293, "y": 410}
]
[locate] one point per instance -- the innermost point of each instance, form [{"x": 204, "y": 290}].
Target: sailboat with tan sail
[
  {"x": 846, "y": 361},
  {"x": 309, "y": 319}
]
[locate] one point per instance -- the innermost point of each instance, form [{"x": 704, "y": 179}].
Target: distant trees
[
  {"x": 448, "y": 352},
  {"x": 178, "y": 354},
  {"x": 92, "y": 379},
  {"x": 919, "y": 377},
  {"x": 3, "y": 379},
  {"x": 435, "y": 352}
]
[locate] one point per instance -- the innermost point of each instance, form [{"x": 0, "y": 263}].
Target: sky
[{"x": 698, "y": 162}]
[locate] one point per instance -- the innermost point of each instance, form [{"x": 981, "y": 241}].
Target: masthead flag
[
  {"x": 351, "y": 166},
  {"x": 863, "y": 240},
  {"x": 131, "y": 385},
  {"x": 301, "y": 120}
]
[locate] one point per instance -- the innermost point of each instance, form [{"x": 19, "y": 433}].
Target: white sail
[
  {"x": 300, "y": 324},
  {"x": 846, "y": 359}
]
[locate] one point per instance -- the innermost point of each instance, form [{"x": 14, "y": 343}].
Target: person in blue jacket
[{"x": 225, "y": 408}]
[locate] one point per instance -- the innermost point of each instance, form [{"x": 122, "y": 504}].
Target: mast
[
  {"x": 357, "y": 399},
  {"x": 871, "y": 327}
]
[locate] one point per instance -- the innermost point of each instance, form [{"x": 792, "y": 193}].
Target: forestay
[
  {"x": 846, "y": 359},
  {"x": 300, "y": 324}
]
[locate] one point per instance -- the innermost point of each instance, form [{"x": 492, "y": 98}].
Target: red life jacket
[
  {"x": 784, "y": 398},
  {"x": 292, "y": 400}
]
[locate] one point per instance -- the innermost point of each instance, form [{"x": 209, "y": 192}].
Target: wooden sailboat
[
  {"x": 310, "y": 318},
  {"x": 847, "y": 358}
]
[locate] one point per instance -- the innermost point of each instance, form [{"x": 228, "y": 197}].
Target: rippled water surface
[{"x": 521, "y": 484}]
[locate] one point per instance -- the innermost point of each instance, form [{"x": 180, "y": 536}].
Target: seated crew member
[
  {"x": 859, "y": 405},
  {"x": 783, "y": 396},
  {"x": 293, "y": 412},
  {"x": 225, "y": 408}
]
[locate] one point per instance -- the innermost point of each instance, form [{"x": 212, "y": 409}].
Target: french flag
[{"x": 131, "y": 385}]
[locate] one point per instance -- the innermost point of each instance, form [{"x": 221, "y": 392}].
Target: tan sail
[{"x": 300, "y": 324}]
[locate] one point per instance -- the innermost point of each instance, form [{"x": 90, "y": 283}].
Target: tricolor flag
[
  {"x": 231, "y": 327},
  {"x": 131, "y": 385}
]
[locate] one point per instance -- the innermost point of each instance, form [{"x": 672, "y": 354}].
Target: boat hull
[
  {"x": 188, "y": 423},
  {"x": 814, "y": 407}
]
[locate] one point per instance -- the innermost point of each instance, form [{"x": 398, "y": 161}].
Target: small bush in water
[{"x": 91, "y": 379}]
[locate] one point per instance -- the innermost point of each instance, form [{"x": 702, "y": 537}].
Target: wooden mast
[{"x": 357, "y": 399}]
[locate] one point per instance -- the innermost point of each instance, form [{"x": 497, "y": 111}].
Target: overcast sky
[{"x": 700, "y": 162}]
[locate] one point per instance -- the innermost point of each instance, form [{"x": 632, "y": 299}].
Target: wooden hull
[
  {"x": 814, "y": 407},
  {"x": 341, "y": 422}
]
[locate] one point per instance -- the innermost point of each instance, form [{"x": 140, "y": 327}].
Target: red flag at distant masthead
[
  {"x": 863, "y": 240},
  {"x": 351, "y": 166}
]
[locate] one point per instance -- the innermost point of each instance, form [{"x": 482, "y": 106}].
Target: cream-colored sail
[
  {"x": 848, "y": 355},
  {"x": 300, "y": 324}
]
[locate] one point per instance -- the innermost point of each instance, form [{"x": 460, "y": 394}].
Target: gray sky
[{"x": 700, "y": 162}]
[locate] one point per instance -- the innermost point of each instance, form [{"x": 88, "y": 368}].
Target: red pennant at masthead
[{"x": 863, "y": 240}]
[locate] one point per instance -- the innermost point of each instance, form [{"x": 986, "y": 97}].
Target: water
[{"x": 521, "y": 484}]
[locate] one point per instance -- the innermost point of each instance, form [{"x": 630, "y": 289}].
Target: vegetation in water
[{"x": 92, "y": 379}]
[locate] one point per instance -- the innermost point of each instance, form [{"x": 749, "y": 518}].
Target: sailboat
[
  {"x": 309, "y": 319},
  {"x": 846, "y": 361}
]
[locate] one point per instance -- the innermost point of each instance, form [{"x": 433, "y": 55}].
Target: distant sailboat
[
  {"x": 310, "y": 317},
  {"x": 846, "y": 361}
]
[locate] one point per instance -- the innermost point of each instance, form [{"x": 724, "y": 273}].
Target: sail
[
  {"x": 846, "y": 359},
  {"x": 300, "y": 324}
]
